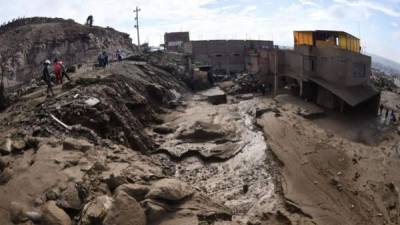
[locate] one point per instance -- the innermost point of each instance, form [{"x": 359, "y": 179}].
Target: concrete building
[
  {"x": 325, "y": 67},
  {"x": 175, "y": 41},
  {"x": 225, "y": 56}
]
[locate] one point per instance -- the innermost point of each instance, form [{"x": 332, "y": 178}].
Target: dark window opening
[
  {"x": 218, "y": 55},
  {"x": 236, "y": 54}
]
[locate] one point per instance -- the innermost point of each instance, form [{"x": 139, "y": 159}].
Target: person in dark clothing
[
  {"x": 119, "y": 55},
  {"x": 393, "y": 117},
  {"x": 100, "y": 59},
  {"x": 46, "y": 77},
  {"x": 380, "y": 109},
  {"x": 105, "y": 59},
  {"x": 89, "y": 20}
]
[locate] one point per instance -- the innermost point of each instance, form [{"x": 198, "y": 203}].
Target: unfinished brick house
[
  {"x": 326, "y": 67},
  {"x": 175, "y": 41}
]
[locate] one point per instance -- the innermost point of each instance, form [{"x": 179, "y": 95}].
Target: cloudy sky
[{"x": 377, "y": 22}]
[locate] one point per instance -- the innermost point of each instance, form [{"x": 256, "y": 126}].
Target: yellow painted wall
[{"x": 303, "y": 38}]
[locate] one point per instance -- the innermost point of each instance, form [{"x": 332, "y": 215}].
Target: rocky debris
[
  {"x": 95, "y": 211},
  {"x": 70, "y": 144},
  {"x": 125, "y": 210},
  {"x": 5, "y": 146},
  {"x": 5, "y": 176},
  {"x": 53, "y": 215},
  {"x": 69, "y": 198},
  {"x": 155, "y": 209},
  {"x": 202, "y": 131},
  {"x": 169, "y": 189},
  {"x": 311, "y": 114},
  {"x": 16, "y": 146},
  {"x": 18, "y": 212},
  {"x": 136, "y": 191},
  {"x": 163, "y": 129},
  {"x": 215, "y": 96}
]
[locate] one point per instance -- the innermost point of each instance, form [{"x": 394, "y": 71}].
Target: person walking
[
  {"x": 57, "y": 71},
  {"x": 380, "y": 109},
  {"x": 63, "y": 72},
  {"x": 46, "y": 77}
]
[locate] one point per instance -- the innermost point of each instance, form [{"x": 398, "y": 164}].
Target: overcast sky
[{"x": 376, "y": 22}]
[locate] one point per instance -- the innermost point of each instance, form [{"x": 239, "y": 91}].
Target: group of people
[
  {"x": 103, "y": 59},
  {"x": 388, "y": 114},
  {"x": 59, "y": 70}
]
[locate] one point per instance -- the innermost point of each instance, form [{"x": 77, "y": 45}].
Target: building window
[
  {"x": 236, "y": 54},
  {"x": 218, "y": 55}
]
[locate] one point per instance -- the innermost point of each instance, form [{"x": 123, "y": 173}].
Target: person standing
[
  {"x": 105, "y": 59},
  {"x": 46, "y": 77},
  {"x": 119, "y": 55},
  {"x": 57, "y": 71}
]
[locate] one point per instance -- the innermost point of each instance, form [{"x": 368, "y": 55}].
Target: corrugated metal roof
[{"x": 353, "y": 95}]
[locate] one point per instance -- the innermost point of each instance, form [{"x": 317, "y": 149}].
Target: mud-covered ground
[{"x": 131, "y": 145}]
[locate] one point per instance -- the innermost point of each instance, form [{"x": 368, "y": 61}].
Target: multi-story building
[{"x": 325, "y": 66}]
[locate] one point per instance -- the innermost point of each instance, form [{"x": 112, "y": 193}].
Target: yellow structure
[{"x": 318, "y": 38}]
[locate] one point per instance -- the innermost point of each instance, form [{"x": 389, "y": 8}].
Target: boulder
[
  {"x": 169, "y": 189},
  {"x": 69, "y": 198},
  {"x": 17, "y": 212},
  {"x": 215, "y": 96},
  {"x": 71, "y": 144},
  {"x": 202, "y": 131},
  {"x": 136, "y": 191},
  {"x": 53, "y": 215},
  {"x": 5, "y": 146},
  {"x": 5, "y": 176},
  {"x": 125, "y": 210},
  {"x": 18, "y": 146},
  {"x": 95, "y": 211},
  {"x": 154, "y": 210}
]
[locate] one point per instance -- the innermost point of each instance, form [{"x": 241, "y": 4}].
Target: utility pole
[{"x": 136, "y": 11}]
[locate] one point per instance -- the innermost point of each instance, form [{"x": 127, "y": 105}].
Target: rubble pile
[{"x": 241, "y": 84}]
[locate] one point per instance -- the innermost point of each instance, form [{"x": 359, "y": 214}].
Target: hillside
[
  {"x": 388, "y": 66},
  {"x": 26, "y": 43}
]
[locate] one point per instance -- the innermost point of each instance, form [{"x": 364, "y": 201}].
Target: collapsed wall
[{"x": 26, "y": 43}]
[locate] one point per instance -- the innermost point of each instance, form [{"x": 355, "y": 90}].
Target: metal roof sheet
[{"x": 353, "y": 95}]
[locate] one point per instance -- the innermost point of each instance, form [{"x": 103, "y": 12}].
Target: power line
[{"x": 136, "y": 11}]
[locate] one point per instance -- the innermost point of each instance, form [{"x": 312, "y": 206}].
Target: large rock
[
  {"x": 125, "y": 210},
  {"x": 70, "y": 144},
  {"x": 95, "y": 211},
  {"x": 5, "y": 146},
  {"x": 136, "y": 191},
  {"x": 215, "y": 96},
  {"x": 69, "y": 199},
  {"x": 170, "y": 189},
  {"x": 17, "y": 212},
  {"x": 53, "y": 215},
  {"x": 5, "y": 176}
]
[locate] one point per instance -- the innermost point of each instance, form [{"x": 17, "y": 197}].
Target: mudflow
[{"x": 131, "y": 144}]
